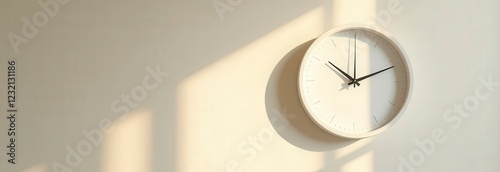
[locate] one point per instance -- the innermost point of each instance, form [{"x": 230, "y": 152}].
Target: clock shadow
[{"x": 285, "y": 111}]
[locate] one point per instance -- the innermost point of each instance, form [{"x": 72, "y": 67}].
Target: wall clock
[{"x": 355, "y": 81}]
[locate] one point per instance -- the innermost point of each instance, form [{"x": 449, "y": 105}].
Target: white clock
[{"x": 355, "y": 81}]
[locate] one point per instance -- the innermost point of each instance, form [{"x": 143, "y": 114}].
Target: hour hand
[{"x": 345, "y": 74}]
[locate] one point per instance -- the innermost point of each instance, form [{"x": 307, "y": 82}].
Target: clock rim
[{"x": 409, "y": 75}]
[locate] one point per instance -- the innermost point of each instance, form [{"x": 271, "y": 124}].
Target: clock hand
[
  {"x": 355, "y": 48},
  {"x": 367, "y": 76},
  {"x": 345, "y": 74}
]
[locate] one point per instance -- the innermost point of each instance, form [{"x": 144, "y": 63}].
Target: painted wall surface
[{"x": 189, "y": 86}]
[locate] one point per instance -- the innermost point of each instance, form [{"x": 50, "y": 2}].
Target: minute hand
[{"x": 367, "y": 76}]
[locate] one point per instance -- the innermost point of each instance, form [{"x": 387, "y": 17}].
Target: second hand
[{"x": 355, "y": 48}]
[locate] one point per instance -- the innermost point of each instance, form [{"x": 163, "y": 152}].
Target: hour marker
[
  {"x": 375, "y": 44},
  {"x": 334, "y": 43},
  {"x": 316, "y": 102},
  {"x": 332, "y": 119},
  {"x": 391, "y": 103},
  {"x": 310, "y": 80},
  {"x": 317, "y": 58},
  {"x": 375, "y": 119},
  {"x": 353, "y": 125}
]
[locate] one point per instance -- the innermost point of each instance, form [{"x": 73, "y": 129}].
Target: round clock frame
[{"x": 320, "y": 73}]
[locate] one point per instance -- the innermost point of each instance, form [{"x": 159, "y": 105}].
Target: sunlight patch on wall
[
  {"x": 221, "y": 106},
  {"x": 363, "y": 163},
  {"x": 351, "y": 149},
  {"x": 353, "y": 11},
  {"x": 127, "y": 148},
  {"x": 37, "y": 168}
]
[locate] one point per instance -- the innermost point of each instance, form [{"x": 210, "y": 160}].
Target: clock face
[{"x": 354, "y": 82}]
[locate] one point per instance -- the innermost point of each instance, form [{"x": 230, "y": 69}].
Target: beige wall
[{"x": 192, "y": 86}]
